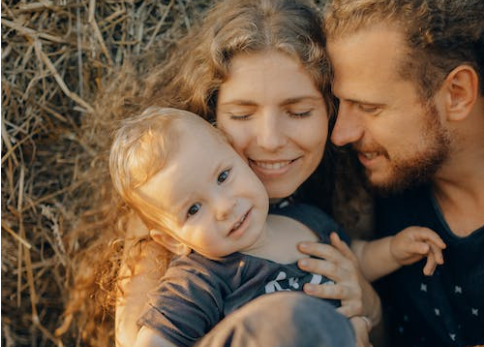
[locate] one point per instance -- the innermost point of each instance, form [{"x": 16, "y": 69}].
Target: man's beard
[{"x": 422, "y": 167}]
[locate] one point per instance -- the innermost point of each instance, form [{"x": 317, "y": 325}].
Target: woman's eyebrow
[
  {"x": 289, "y": 101},
  {"x": 239, "y": 103},
  {"x": 296, "y": 100}
]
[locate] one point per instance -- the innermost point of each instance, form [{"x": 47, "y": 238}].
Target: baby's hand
[{"x": 413, "y": 243}]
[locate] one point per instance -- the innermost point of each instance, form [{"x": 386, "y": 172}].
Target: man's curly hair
[{"x": 440, "y": 34}]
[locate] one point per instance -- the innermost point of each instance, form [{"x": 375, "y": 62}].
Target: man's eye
[
  {"x": 368, "y": 108},
  {"x": 194, "y": 209},
  {"x": 223, "y": 176}
]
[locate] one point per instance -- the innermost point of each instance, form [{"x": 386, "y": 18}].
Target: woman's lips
[
  {"x": 272, "y": 165},
  {"x": 271, "y": 168}
]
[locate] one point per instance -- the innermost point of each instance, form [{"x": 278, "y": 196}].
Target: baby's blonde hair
[{"x": 142, "y": 146}]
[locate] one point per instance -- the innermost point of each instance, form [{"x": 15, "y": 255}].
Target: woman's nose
[
  {"x": 348, "y": 128},
  {"x": 270, "y": 133}
]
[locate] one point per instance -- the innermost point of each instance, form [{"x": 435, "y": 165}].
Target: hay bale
[{"x": 58, "y": 57}]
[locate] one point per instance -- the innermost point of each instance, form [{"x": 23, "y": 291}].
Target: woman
[{"x": 259, "y": 70}]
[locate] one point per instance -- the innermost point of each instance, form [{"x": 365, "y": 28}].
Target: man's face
[{"x": 400, "y": 140}]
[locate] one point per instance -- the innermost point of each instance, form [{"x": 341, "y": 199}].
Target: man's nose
[
  {"x": 270, "y": 133},
  {"x": 348, "y": 128}
]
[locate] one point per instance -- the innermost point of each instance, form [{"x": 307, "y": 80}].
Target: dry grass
[{"x": 57, "y": 58}]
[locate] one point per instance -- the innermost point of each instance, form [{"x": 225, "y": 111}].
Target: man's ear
[
  {"x": 170, "y": 243},
  {"x": 462, "y": 88}
]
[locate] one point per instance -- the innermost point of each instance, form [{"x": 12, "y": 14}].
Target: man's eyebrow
[{"x": 361, "y": 101}]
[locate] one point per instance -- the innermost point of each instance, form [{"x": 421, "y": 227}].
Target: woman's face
[{"x": 275, "y": 117}]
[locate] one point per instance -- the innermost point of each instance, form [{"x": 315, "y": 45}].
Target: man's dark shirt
[{"x": 447, "y": 308}]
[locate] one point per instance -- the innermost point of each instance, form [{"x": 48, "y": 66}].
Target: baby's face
[{"x": 217, "y": 204}]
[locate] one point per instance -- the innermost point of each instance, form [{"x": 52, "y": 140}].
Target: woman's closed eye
[
  {"x": 222, "y": 177},
  {"x": 193, "y": 209},
  {"x": 301, "y": 114},
  {"x": 240, "y": 116},
  {"x": 239, "y": 112}
]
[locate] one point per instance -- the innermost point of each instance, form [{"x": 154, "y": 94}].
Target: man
[{"x": 409, "y": 78}]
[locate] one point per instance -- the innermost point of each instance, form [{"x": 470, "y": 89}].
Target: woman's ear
[
  {"x": 462, "y": 86},
  {"x": 170, "y": 243}
]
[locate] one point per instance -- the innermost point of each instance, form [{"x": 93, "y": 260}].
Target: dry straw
[{"x": 68, "y": 67}]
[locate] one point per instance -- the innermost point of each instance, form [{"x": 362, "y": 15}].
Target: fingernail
[
  {"x": 303, "y": 245},
  {"x": 303, "y": 262}
]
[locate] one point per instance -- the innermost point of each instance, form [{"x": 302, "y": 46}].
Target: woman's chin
[{"x": 278, "y": 191}]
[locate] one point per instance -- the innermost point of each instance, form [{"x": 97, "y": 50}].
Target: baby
[{"x": 201, "y": 201}]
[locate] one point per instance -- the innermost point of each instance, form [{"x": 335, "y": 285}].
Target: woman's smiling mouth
[{"x": 271, "y": 168}]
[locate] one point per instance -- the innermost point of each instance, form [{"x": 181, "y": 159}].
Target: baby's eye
[
  {"x": 193, "y": 209},
  {"x": 223, "y": 176}
]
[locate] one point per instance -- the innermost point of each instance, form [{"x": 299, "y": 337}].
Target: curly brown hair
[
  {"x": 440, "y": 34},
  {"x": 192, "y": 77}
]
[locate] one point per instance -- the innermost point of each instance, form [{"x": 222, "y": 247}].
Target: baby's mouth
[{"x": 240, "y": 222}]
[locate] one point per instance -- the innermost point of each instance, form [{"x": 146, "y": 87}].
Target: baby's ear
[{"x": 170, "y": 243}]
